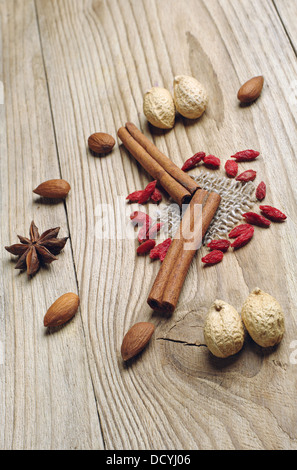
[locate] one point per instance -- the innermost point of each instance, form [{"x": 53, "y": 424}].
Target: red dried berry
[
  {"x": 163, "y": 252},
  {"x": 221, "y": 245},
  {"x": 147, "y": 192},
  {"x": 212, "y": 161},
  {"x": 261, "y": 191},
  {"x": 134, "y": 197},
  {"x": 154, "y": 254},
  {"x": 156, "y": 196},
  {"x": 213, "y": 257},
  {"x": 245, "y": 155},
  {"x": 160, "y": 251},
  {"x": 140, "y": 218},
  {"x": 231, "y": 168},
  {"x": 152, "y": 232},
  {"x": 243, "y": 239},
  {"x": 145, "y": 247},
  {"x": 240, "y": 229},
  {"x": 143, "y": 232},
  {"x": 193, "y": 161},
  {"x": 272, "y": 213},
  {"x": 248, "y": 175},
  {"x": 256, "y": 219}
]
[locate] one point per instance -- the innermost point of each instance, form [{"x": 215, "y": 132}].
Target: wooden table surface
[{"x": 73, "y": 67}]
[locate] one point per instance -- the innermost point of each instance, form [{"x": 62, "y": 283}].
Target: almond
[
  {"x": 64, "y": 308},
  {"x": 101, "y": 142},
  {"x": 251, "y": 90},
  {"x": 55, "y": 189},
  {"x": 136, "y": 339}
]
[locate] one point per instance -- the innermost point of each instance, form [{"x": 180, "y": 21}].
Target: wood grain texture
[
  {"x": 45, "y": 382},
  {"x": 286, "y": 11},
  {"x": 71, "y": 68}
]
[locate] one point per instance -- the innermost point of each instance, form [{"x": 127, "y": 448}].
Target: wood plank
[
  {"x": 47, "y": 400},
  {"x": 100, "y": 57},
  {"x": 287, "y": 13}
]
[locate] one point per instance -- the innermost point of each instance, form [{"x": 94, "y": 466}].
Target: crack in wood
[{"x": 186, "y": 343}]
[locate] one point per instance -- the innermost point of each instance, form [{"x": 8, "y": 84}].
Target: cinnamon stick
[
  {"x": 177, "y": 191},
  {"x": 180, "y": 176},
  {"x": 166, "y": 289}
]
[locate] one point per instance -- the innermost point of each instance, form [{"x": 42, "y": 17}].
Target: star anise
[{"x": 38, "y": 250}]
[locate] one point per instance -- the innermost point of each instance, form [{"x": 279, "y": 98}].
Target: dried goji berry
[
  {"x": 163, "y": 252},
  {"x": 221, "y": 245},
  {"x": 261, "y": 191},
  {"x": 193, "y": 161},
  {"x": 154, "y": 254},
  {"x": 134, "y": 197},
  {"x": 248, "y": 175},
  {"x": 140, "y": 218},
  {"x": 212, "y": 161},
  {"x": 272, "y": 213},
  {"x": 231, "y": 168},
  {"x": 256, "y": 219},
  {"x": 154, "y": 229},
  {"x": 145, "y": 247},
  {"x": 143, "y": 232},
  {"x": 243, "y": 239},
  {"x": 240, "y": 229},
  {"x": 245, "y": 155},
  {"x": 147, "y": 192},
  {"x": 159, "y": 252},
  {"x": 156, "y": 196},
  {"x": 213, "y": 257}
]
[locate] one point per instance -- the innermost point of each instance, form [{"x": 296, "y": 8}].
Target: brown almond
[
  {"x": 55, "y": 189},
  {"x": 251, "y": 90},
  {"x": 136, "y": 339},
  {"x": 101, "y": 142},
  {"x": 62, "y": 310}
]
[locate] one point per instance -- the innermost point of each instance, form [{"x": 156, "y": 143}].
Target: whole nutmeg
[
  {"x": 190, "y": 96},
  {"x": 54, "y": 189},
  {"x": 62, "y": 310},
  {"x": 158, "y": 108},
  {"x": 250, "y": 90},
  {"x": 100, "y": 142},
  {"x": 263, "y": 318},
  {"x": 223, "y": 330}
]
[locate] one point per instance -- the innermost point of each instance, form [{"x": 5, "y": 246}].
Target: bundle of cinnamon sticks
[
  {"x": 183, "y": 189},
  {"x": 178, "y": 184}
]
